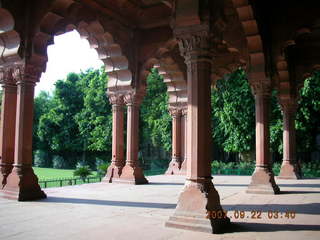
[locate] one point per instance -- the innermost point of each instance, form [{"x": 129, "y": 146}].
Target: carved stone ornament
[
  {"x": 261, "y": 87},
  {"x": 175, "y": 111},
  {"x": 289, "y": 105},
  {"x": 199, "y": 42},
  {"x": 27, "y": 73},
  {"x": 133, "y": 98},
  {"x": 116, "y": 99},
  {"x": 6, "y": 76}
]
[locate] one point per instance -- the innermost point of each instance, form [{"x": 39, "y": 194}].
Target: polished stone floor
[{"x": 117, "y": 211}]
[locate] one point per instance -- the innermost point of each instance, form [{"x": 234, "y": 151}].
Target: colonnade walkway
[{"x": 118, "y": 211}]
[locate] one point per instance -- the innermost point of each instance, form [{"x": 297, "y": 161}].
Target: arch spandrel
[
  {"x": 63, "y": 17},
  {"x": 9, "y": 40}
]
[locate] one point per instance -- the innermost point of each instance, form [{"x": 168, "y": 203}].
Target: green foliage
[
  {"x": 82, "y": 171},
  {"x": 307, "y": 119},
  {"x": 233, "y": 113},
  {"x": 95, "y": 118},
  {"x": 155, "y": 120},
  {"x": 59, "y": 162},
  {"x": 42, "y": 158}
]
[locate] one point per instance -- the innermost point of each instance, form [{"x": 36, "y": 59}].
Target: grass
[{"x": 51, "y": 173}]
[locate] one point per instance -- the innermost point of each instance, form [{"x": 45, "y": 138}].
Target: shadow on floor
[
  {"x": 109, "y": 202},
  {"x": 308, "y": 208},
  {"x": 266, "y": 227},
  {"x": 299, "y": 192},
  {"x": 280, "y": 185},
  {"x": 165, "y": 183}
]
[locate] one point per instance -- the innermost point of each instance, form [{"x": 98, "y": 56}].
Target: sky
[{"x": 69, "y": 53}]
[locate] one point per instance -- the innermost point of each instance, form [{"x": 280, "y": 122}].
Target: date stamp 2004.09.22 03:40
[{"x": 254, "y": 214}]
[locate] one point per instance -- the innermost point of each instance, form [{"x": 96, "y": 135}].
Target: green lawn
[{"x": 51, "y": 173}]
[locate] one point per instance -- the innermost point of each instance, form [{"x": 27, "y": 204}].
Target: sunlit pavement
[{"x": 117, "y": 211}]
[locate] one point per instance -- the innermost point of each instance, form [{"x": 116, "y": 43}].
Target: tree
[
  {"x": 307, "y": 119},
  {"x": 95, "y": 118},
  {"x": 155, "y": 121},
  {"x": 58, "y": 127},
  {"x": 233, "y": 113}
]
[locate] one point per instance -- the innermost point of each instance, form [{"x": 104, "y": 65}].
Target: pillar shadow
[
  {"x": 308, "y": 208},
  {"x": 307, "y": 185},
  {"x": 165, "y": 183},
  {"x": 109, "y": 202},
  {"x": 267, "y": 227}
]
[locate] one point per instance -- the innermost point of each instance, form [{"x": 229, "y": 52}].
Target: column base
[
  {"x": 174, "y": 168},
  {"x": 22, "y": 185},
  {"x": 131, "y": 175},
  {"x": 183, "y": 169},
  {"x": 288, "y": 171},
  {"x": 262, "y": 182},
  {"x": 113, "y": 172},
  {"x": 197, "y": 199},
  {"x": 5, "y": 170}
]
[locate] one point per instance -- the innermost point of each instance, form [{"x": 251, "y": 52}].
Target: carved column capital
[
  {"x": 289, "y": 105},
  {"x": 116, "y": 99},
  {"x": 6, "y": 76},
  {"x": 184, "y": 109},
  {"x": 27, "y": 73},
  {"x": 261, "y": 88},
  {"x": 195, "y": 45},
  {"x": 175, "y": 111},
  {"x": 133, "y": 98}
]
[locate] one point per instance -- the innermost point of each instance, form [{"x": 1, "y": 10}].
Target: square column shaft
[
  {"x": 132, "y": 173},
  {"x": 262, "y": 180},
  {"x": 199, "y": 195},
  {"x": 117, "y": 162},
  {"x": 7, "y": 128},
  {"x": 22, "y": 183},
  {"x": 175, "y": 163},
  {"x": 289, "y": 168}
]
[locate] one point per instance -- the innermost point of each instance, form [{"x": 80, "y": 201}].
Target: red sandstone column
[
  {"x": 175, "y": 164},
  {"x": 183, "y": 169},
  {"x": 132, "y": 173},
  {"x": 289, "y": 169},
  {"x": 199, "y": 194},
  {"x": 22, "y": 183},
  {"x": 8, "y": 120},
  {"x": 117, "y": 162},
  {"x": 262, "y": 180}
]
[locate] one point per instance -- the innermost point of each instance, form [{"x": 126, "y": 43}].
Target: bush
[
  {"x": 42, "y": 159},
  {"x": 82, "y": 171},
  {"x": 59, "y": 162},
  {"x": 101, "y": 167}
]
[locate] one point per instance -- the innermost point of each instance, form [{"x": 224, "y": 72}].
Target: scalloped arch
[
  {"x": 173, "y": 77},
  {"x": 9, "y": 39},
  {"x": 63, "y": 17},
  {"x": 254, "y": 41}
]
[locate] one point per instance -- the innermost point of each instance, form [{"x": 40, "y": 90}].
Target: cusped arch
[
  {"x": 9, "y": 39},
  {"x": 256, "y": 65},
  {"x": 64, "y": 17},
  {"x": 173, "y": 76}
]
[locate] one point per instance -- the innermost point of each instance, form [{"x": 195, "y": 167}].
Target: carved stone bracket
[
  {"x": 27, "y": 73},
  {"x": 133, "y": 98},
  {"x": 116, "y": 99},
  {"x": 289, "y": 105},
  {"x": 261, "y": 87}
]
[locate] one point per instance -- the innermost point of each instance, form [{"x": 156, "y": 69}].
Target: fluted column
[
  {"x": 199, "y": 194},
  {"x": 8, "y": 120},
  {"x": 289, "y": 168},
  {"x": 22, "y": 183},
  {"x": 132, "y": 173},
  {"x": 117, "y": 161},
  {"x": 175, "y": 163},
  {"x": 262, "y": 180},
  {"x": 184, "y": 125}
]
